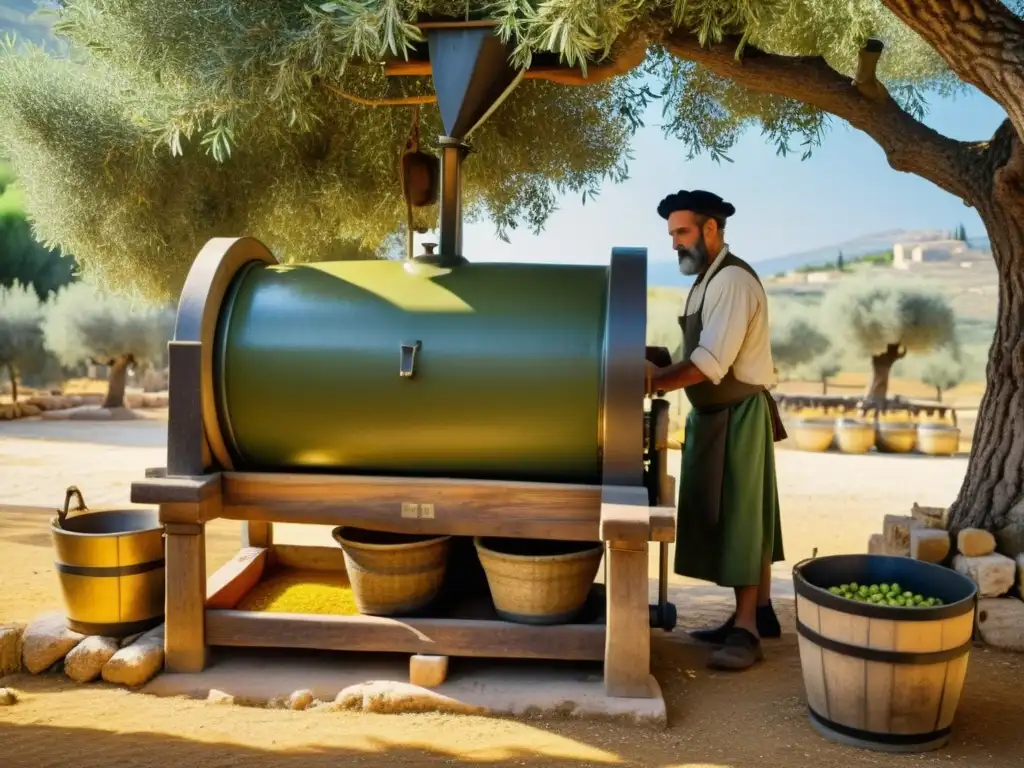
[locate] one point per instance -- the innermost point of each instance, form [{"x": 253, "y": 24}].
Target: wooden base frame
[{"x": 201, "y": 613}]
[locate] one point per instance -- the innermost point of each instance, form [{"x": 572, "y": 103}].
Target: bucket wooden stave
[
  {"x": 876, "y": 676},
  {"x": 110, "y": 564}
]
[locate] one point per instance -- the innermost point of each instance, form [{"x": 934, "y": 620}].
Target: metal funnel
[{"x": 472, "y": 76}]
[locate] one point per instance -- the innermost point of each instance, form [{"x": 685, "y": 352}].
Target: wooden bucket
[
  {"x": 938, "y": 439},
  {"x": 855, "y": 435},
  {"x": 536, "y": 581},
  {"x": 896, "y": 437},
  {"x": 815, "y": 435},
  {"x": 392, "y": 573},
  {"x": 110, "y": 564},
  {"x": 877, "y": 676}
]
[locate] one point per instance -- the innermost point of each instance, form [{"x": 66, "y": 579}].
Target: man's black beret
[{"x": 699, "y": 201}]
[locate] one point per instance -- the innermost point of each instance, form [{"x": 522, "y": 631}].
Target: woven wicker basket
[
  {"x": 536, "y": 581},
  {"x": 392, "y": 573}
]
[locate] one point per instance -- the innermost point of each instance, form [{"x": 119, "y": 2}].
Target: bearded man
[{"x": 729, "y": 528}]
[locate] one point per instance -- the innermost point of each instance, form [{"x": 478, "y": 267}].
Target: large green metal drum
[{"x": 490, "y": 371}]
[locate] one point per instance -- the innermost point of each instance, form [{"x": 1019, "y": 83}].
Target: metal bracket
[{"x": 407, "y": 359}]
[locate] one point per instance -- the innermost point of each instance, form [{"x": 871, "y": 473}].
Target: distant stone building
[{"x": 907, "y": 255}]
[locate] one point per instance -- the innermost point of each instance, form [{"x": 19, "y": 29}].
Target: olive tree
[
  {"x": 822, "y": 368},
  {"x": 262, "y": 109},
  {"x": 943, "y": 369},
  {"x": 885, "y": 322},
  {"x": 85, "y": 323},
  {"x": 796, "y": 339},
  {"x": 21, "y": 333}
]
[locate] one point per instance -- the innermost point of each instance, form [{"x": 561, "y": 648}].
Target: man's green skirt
[{"x": 729, "y": 544}]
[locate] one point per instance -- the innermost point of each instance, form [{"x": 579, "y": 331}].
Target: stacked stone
[
  {"x": 995, "y": 563},
  {"x": 48, "y": 645}
]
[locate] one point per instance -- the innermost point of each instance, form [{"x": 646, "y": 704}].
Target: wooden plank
[
  {"x": 627, "y": 656},
  {"x": 171, "y": 490},
  {"x": 233, "y": 580},
  {"x": 308, "y": 558},
  {"x": 191, "y": 513},
  {"x": 184, "y": 633},
  {"x": 625, "y": 514},
  {"x": 187, "y": 454},
  {"x": 437, "y": 637},
  {"x": 663, "y": 524},
  {"x": 417, "y": 505}
]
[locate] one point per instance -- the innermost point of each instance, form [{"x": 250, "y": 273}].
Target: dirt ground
[{"x": 716, "y": 720}]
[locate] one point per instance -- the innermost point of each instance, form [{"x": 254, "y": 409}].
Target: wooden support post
[
  {"x": 627, "y": 650},
  {"x": 185, "y": 619},
  {"x": 187, "y": 452},
  {"x": 258, "y": 533}
]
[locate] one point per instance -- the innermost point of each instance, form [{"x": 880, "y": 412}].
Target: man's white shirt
[{"x": 735, "y": 331}]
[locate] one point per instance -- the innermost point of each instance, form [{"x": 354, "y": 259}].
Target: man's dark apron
[{"x": 712, "y": 403}]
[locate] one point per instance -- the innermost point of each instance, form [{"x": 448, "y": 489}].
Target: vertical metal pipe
[{"x": 452, "y": 151}]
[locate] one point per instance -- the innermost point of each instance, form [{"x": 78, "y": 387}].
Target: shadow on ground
[{"x": 716, "y": 720}]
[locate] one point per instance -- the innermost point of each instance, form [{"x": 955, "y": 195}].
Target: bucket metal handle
[{"x": 72, "y": 490}]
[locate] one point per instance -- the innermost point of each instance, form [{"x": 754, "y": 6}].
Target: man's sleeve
[{"x": 729, "y": 306}]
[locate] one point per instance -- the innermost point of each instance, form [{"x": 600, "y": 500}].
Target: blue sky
[{"x": 783, "y": 205}]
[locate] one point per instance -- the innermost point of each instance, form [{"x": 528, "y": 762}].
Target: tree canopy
[
  {"x": 22, "y": 258},
  {"x": 796, "y": 339},
  {"x": 943, "y": 369},
  {"x": 869, "y": 317},
  {"x": 85, "y": 323},
  {"x": 174, "y": 122}
]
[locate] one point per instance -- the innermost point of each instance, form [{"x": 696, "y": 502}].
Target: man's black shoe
[{"x": 767, "y": 627}]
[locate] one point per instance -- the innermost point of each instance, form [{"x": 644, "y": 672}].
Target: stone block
[
  {"x": 896, "y": 530},
  {"x": 139, "y": 662},
  {"x": 86, "y": 660},
  {"x": 994, "y": 574},
  {"x": 931, "y": 545},
  {"x": 974, "y": 542},
  {"x": 1000, "y": 622},
  {"x": 46, "y": 641},
  {"x": 10, "y": 648},
  {"x": 428, "y": 671},
  {"x": 929, "y": 517},
  {"x": 1010, "y": 538},
  {"x": 876, "y": 544}
]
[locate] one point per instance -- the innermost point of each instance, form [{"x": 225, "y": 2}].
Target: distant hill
[{"x": 665, "y": 272}]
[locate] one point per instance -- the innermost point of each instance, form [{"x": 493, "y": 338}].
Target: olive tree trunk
[
  {"x": 995, "y": 471},
  {"x": 12, "y": 371},
  {"x": 117, "y": 379},
  {"x": 881, "y": 368}
]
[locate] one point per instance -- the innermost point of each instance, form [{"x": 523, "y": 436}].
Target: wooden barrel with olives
[{"x": 884, "y": 645}]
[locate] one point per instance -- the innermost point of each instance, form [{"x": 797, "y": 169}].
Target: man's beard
[{"x": 693, "y": 260}]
